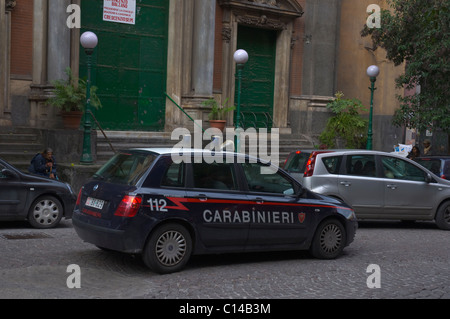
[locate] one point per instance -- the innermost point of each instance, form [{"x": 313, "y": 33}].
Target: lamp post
[
  {"x": 88, "y": 41},
  {"x": 372, "y": 72},
  {"x": 240, "y": 57}
]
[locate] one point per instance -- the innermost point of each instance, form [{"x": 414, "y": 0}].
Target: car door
[
  {"x": 222, "y": 215},
  {"x": 13, "y": 194},
  {"x": 277, "y": 216},
  {"x": 360, "y": 187},
  {"x": 406, "y": 192}
]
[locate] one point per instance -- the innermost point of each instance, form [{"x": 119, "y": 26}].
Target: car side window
[
  {"x": 220, "y": 176},
  {"x": 332, "y": 164},
  {"x": 174, "y": 175},
  {"x": 397, "y": 168},
  {"x": 361, "y": 165},
  {"x": 257, "y": 181}
]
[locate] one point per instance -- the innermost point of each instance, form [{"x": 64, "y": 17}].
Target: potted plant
[
  {"x": 217, "y": 116},
  {"x": 70, "y": 97},
  {"x": 346, "y": 125}
]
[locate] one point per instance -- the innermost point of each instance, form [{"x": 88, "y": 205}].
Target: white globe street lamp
[
  {"x": 240, "y": 57},
  {"x": 88, "y": 41},
  {"x": 372, "y": 72}
]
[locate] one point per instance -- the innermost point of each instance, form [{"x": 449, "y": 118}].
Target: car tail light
[
  {"x": 310, "y": 165},
  {"x": 129, "y": 206},
  {"x": 77, "y": 204}
]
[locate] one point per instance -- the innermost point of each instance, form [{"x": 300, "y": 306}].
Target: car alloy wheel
[
  {"x": 45, "y": 212},
  {"x": 168, "y": 249},
  {"x": 329, "y": 240}
]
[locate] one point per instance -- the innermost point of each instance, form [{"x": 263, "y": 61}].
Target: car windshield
[{"x": 125, "y": 168}]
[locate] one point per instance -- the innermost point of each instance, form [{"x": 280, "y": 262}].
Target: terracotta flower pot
[
  {"x": 72, "y": 119},
  {"x": 220, "y": 124}
]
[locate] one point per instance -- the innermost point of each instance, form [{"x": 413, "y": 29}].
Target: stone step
[
  {"x": 18, "y": 137},
  {"x": 18, "y": 145}
]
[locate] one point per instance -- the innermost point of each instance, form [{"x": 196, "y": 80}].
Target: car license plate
[{"x": 95, "y": 203}]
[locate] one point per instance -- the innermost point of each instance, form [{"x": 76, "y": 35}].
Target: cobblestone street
[{"x": 413, "y": 259}]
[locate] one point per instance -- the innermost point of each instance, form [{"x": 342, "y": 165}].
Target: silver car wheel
[
  {"x": 331, "y": 238},
  {"x": 170, "y": 248},
  {"x": 45, "y": 212}
]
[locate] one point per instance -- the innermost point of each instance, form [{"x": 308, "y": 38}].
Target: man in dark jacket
[{"x": 44, "y": 164}]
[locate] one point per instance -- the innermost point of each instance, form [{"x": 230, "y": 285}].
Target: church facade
[{"x": 161, "y": 64}]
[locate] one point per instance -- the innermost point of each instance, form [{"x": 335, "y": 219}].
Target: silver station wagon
[{"x": 380, "y": 185}]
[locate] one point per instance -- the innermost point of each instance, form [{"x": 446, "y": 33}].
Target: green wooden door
[
  {"x": 258, "y": 76},
  {"x": 129, "y": 65}
]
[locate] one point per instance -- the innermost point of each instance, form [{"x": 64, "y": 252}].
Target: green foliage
[
  {"x": 218, "y": 112},
  {"x": 70, "y": 95},
  {"x": 417, "y": 32},
  {"x": 346, "y": 123}
]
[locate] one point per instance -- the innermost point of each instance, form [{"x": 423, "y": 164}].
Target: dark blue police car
[{"x": 168, "y": 205}]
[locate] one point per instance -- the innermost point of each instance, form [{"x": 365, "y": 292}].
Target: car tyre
[
  {"x": 329, "y": 240},
  {"x": 443, "y": 216},
  {"x": 168, "y": 249},
  {"x": 45, "y": 212}
]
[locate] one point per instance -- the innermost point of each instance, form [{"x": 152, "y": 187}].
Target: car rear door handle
[
  {"x": 202, "y": 197},
  {"x": 391, "y": 186},
  {"x": 259, "y": 200},
  {"x": 346, "y": 184}
]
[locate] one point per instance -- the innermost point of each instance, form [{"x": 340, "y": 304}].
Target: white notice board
[{"x": 120, "y": 11}]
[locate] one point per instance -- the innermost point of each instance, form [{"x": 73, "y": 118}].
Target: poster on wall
[{"x": 120, "y": 11}]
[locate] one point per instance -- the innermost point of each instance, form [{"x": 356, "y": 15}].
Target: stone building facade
[{"x": 306, "y": 49}]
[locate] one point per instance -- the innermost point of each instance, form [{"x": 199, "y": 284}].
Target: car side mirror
[
  {"x": 7, "y": 173},
  {"x": 429, "y": 179},
  {"x": 299, "y": 193}
]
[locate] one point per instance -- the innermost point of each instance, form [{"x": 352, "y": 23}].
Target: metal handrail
[
  {"x": 183, "y": 111},
  {"x": 103, "y": 132}
]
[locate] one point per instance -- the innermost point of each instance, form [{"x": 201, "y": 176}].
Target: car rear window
[
  {"x": 296, "y": 162},
  {"x": 125, "y": 168}
]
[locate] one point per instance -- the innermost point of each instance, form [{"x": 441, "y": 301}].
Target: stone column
[
  {"x": 282, "y": 69},
  {"x": 40, "y": 90},
  {"x": 321, "y": 28},
  {"x": 203, "y": 47},
  {"x": 39, "y": 42},
  {"x": 6, "y": 7},
  {"x": 58, "y": 52}
]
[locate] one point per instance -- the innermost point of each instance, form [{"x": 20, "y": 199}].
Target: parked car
[
  {"x": 381, "y": 185},
  {"x": 40, "y": 200},
  {"x": 439, "y": 165},
  {"x": 146, "y": 201}
]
